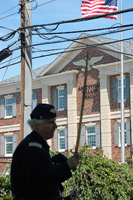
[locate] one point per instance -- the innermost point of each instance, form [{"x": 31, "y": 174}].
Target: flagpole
[{"x": 122, "y": 96}]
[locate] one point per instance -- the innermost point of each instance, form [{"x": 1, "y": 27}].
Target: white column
[
  {"x": 105, "y": 116},
  {"x": 131, "y": 104},
  {"x": 72, "y": 114},
  {"x": 46, "y": 98}
]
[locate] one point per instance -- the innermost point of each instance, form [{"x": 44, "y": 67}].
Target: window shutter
[
  {"x": 14, "y": 142},
  {"x": 66, "y": 139},
  {"x": 115, "y": 90},
  {"x": 128, "y": 133},
  {"x": 55, "y": 98},
  {"x": 65, "y": 98},
  {"x": 55, "y": 140},
  {"x": 98, "y": 136},
  {"x": 82, "y": 137},
  {"x": 2, "y": 108},
  {"x": 2, "y": 146},
  {"x": 14, "y": 106},
  {"x": 127, "y": 88},
  {"x": 34, "y": 100},
  {"x": 20, "y": 104},
  {"x": 115, "y": 134}
]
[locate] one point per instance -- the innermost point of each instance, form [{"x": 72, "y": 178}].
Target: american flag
[{"x": 91, "y": 8}]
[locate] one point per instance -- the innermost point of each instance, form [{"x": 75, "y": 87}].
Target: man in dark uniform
[{"x": 34, "y": 176}]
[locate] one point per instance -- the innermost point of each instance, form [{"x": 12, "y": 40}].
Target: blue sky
[{"x": 54, "y": 11}]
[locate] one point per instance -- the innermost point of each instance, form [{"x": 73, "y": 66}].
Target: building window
[
  {"x": 91, "y": 136},
  {"x": 119, "y": 89},
  {"x": 8, "y": 107},
  {"x": 125, "y": 131},
  {"x": 61, "y": 99},
  {"x": 62, "y": 140},
  {"x": 8, "y": 145}
]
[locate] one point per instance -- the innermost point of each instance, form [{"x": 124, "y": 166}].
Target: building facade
[{"x": 61, "y": 83}]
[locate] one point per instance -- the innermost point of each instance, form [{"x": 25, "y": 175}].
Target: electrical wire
[
  {"x": 9, "y": 62},
  {"x": 1, "y": 63},
  {"x": 81, "y": 31},
  {"x": 9, "y": 9},
  {"x": 79, "y": 19},
  {"x": 45, "y": 3}
]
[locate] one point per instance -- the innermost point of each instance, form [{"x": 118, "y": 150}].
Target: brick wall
[{"x": 92, "y": 98}]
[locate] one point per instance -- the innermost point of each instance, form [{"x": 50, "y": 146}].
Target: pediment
[{"x": 105, "y": 45}]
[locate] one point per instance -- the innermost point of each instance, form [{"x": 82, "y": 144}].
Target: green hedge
[
  {"x": 96, "y": 177},
  {"x": 101, "y": 178},
  {"x": 5, "y": 186}
]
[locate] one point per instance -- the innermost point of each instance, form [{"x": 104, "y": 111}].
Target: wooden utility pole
[
  {"x": 26, "y": 67},
  {"x": 22, "y": 4}
]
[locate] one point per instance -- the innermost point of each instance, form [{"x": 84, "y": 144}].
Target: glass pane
[
  {"x": 61, "y": 133},
  {"x": 61, "y": 102},
  {"x": 90, "y": 130},
  {"x": 124, "y": 82},
  {"x": 62, "y": 143},
  {"x": 119, "y": 83},
  {"x": 9, "y": 148},
  {"x": 91, "y": 140},
  {"x": 8, "y": 110},
  {"x": 8, "y": 139},
  {"x": 119, "y": 90},
  {"x": 61, "y": 92},
  {"x": 8, "y": 101},
  {"x": 124, "y": 93}
]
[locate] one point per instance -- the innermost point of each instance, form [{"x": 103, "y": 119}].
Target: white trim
[
  {"x": 9, "y": 128},
  {"x": 9, "y": 96},
  {"x": 92, "y": 147},
  {"x": 90, "y": 124},
  {"x": 60, "y": 87},
  {"x": 61, "y": 150},
  {"x": 117, "y": 114},
  {"x": 8, "y": 134},
  {"x": 90, "y": 118},
  {"x": 61, "y": 127},
  {"x": 62, "y": 121},
  {"x": 8, "y": 155}
]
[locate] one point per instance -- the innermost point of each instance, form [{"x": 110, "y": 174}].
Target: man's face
[{"x": 46, "y": 130}]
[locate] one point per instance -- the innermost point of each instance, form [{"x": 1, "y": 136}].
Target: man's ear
[{"x": 36, "y": 125}]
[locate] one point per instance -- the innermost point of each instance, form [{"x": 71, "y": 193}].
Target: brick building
[{"x": 61, "y": 83}]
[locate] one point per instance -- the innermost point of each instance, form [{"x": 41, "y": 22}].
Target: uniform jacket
[{"x": 33, "y": 174}]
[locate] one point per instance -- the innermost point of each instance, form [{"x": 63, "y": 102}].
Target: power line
[
  {"x": 81, "y": 31},
  {"x": 79, "y": 19},
  {"x": 45, "y": 3},
  {"x": 9, "y": 9}
]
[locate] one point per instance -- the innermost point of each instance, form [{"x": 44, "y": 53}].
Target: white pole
[
  {"x": 28, "y": 67},
  {"x": 122, "y": 96}
]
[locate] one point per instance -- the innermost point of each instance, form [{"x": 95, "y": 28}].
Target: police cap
[{"x": 43, "y": 111}]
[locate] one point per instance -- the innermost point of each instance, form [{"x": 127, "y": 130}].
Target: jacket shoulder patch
[{"x": 34, "y": 144}]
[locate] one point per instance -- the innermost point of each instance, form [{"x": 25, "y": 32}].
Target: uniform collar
[{"x": 40, "y": 139}]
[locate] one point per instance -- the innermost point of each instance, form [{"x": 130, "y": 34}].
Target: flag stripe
[{"x": 91, "y": 8}]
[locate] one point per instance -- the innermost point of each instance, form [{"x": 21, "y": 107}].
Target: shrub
[
  {"x": 5, "y": 186},
  {"x": 100, "y": 178}
]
